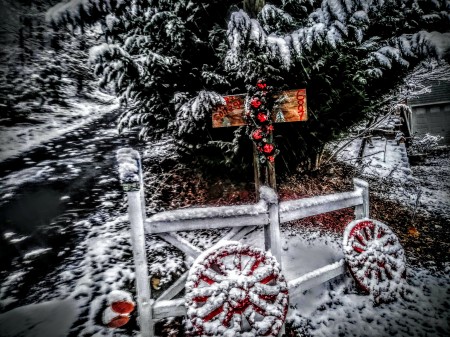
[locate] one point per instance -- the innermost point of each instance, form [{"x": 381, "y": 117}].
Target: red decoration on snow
[
  {"x": 227, "y": 285},
  {"x": 375, "y": 258},
  {"x": 122, "y": 307},
  {"x": 118, "y": 321}
]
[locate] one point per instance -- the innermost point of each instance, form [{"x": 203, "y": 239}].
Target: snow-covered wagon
[{"x": 233, "y": 289}]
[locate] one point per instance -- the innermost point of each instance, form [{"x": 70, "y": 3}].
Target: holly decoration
[{"x": 259, "y": 107}]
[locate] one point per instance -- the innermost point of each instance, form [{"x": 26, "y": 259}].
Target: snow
[
  {"x": 22, "y": 138},
  {"x": 118, "y": 296},
  {"x": 422, "y": 186},
  {"x": 209, "y": 212},
  {"x": 36, "y": 252},
  {"x": 128, "y": 160},
  {"x": 48, "y": 319}
]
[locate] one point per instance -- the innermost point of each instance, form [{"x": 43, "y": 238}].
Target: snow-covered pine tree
[
  {"x": 156, "y": 53},
  {"x": 348, "y": 54},
  {"x": 38, "y": 68},
  {"x": 164, "y": 56}
]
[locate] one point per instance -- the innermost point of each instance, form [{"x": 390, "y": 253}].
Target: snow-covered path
[{"x": 45, "y": 193}]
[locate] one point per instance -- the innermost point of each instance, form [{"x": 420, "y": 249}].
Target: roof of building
[{"x": 440, "y": 92}]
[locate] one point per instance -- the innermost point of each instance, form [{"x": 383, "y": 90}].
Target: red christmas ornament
[
  {"x": 271, "y": 159},
  {"x": 261, "y": 117},
  {"x": 261, "y": 85},
  {"x": 268, "y": 148},
  {"x": 270, "y": 128},
  {"x": 257, "y": 134},
  {"x": 255, "y": 102}
]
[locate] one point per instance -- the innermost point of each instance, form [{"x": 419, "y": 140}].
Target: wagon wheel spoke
[
  {"x": 251, "y": 266},
  {"x": 358, "y": 247},
  {"x": 368, "y": 233}
]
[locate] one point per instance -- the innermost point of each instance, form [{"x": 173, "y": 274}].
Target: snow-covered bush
[{"x": 424, "y": 144}]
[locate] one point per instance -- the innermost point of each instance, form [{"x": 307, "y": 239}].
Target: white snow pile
[
  {"x": 337, "y": 308},
  {"x": 128, "y": 160},
  {"x": 50, "y": 319}
]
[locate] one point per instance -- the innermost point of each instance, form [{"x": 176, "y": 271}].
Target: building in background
[{"x": 431, "y": 112}]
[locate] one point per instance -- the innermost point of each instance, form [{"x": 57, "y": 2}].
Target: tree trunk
[{"x": 253, "y": 7}]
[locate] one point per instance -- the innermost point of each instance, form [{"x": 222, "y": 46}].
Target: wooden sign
[{"x": 292, "y": 109}]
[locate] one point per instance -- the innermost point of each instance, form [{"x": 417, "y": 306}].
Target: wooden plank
[
  {"x": 317, "y": 277},
  {"x": 273, "y": 241},
  {"x": 292, "y": 109},
  {"x": 170, "y": 308},
  {"x": 183, "y": 245},
  {"x": 238, "y": 233},
  {"x": 174, "y": 289},
  {"x": 303, "y": 208},
  {"x": 156, "y": 227},
  {"x": 256, "y": 171},
  {"x": 230, "y": 114}
]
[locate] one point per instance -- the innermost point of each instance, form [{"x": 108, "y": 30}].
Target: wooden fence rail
[{"x": 267, "y": 213}]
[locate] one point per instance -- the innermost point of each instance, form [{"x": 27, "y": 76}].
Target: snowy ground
[
  {"x": 331, "y": 309},
  {"x": 46, "y": 126}
]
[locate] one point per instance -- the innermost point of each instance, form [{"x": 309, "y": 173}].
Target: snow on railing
[{"x": 267, "y": 213}]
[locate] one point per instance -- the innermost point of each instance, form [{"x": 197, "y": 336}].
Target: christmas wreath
[{"x": 258, "y": 114}]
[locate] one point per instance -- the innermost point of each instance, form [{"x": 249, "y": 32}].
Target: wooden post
[
  {"x": 253, "y": 7},
  {"x": 272, "y": 176},
  {"x": 129, "y": 165},
  {"x": 272, "y": 235},
  {"x": 362, "y": 211},
  {"x": 256, "y": 171}
]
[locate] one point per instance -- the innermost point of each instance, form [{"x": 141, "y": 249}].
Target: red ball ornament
[
  {"x": 271, "y": 159},
  {"x": 261, "y": 85},
  {"x": 257, "y": 134},
  {"x": 262, "y": 117},
  {"x": 270, "y": 128},
  {"x": 268, "y": 148},
  {"x": 255, "y": 102}
]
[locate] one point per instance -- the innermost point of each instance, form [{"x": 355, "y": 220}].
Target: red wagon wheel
[
  {"x": 375, "y": 258},
  {"x": 236, "y": 290}
]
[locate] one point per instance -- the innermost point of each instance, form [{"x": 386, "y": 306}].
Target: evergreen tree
[
  {"x": 166, "y": 59},
  {"x": 38, "y": 69}
]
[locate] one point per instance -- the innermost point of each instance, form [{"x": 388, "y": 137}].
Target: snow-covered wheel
[
  {"x": 375, "y": 258},
  {"x": 236, "y": 290}
]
